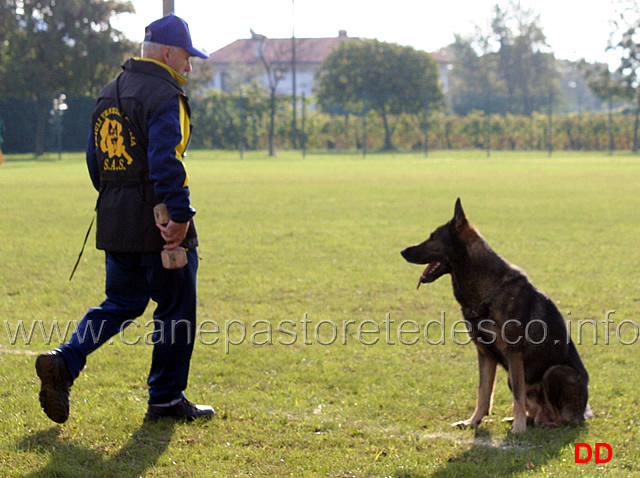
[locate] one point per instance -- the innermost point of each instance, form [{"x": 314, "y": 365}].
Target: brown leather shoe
[
  {"x": 184, "y": 409},
  {"x": 56, "y": 385}
]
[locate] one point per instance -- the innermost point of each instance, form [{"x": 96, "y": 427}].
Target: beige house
[{"x": 242, "y": 61}]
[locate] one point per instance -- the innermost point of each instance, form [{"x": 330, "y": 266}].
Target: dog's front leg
[
  {"x": 487, "y": 371},
  {"x": 518, "y": 388}
]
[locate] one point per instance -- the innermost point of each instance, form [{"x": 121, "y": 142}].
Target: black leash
[
  {"x": 83, "y": 246},
  {"x": 86, "y": 237}
]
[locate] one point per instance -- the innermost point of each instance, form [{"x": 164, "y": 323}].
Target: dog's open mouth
[{"x": 432, "y": 267}]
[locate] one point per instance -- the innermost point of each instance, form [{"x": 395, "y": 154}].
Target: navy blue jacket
[{"x": 140, "y": 133}]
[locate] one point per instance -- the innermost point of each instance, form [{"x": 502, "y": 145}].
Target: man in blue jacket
[{"x": 139, "y": 136}]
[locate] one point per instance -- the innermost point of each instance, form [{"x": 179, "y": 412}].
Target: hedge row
[{"x": 223, "y": 122}]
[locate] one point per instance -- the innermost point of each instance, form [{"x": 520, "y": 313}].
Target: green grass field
[{"x": 291, "y": 243}]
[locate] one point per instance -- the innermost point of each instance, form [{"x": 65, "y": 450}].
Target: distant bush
[
  {"x": 220, "y": 124},
  {"x": 223, "y": 121}
]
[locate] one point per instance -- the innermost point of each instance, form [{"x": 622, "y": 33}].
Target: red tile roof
[{"x": 308, "y": 50}]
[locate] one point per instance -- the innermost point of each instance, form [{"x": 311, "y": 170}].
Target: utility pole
[
  {"x": 294, "y": 129},
  {"x": 168, "y": 7},
  {"x": 550, "y": 122},
  {"x": 303, "y": 138}
]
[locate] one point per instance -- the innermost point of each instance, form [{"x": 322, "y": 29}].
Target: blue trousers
[{"x": 132, "y": 279}]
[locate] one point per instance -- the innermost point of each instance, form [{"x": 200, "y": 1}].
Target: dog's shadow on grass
[
  {"x": 73, "y": 458},
  {"x": 512, "y": 455}
]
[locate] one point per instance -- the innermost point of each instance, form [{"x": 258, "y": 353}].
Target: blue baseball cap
[{"x": 174, "y": 31}]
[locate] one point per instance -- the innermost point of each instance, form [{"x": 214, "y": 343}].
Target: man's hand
[{"x": 173, "y": 233}]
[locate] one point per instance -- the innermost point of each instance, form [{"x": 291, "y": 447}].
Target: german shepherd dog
[{"x": 512, "y": 324}]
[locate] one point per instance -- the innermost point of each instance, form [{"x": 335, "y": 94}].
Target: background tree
[
  {"x": 608, "y": 87},
  {"x": 8, "y": 24},
  {"x": 625, "y": 38},
  {"x": 575, "y": 95},
  {"x": 53, "y": 46},
  {"x": 276, "y": 62},
  {"x": 226, "y": 120},
  {"x": 527, "y": 69},
  {"x": 507, "y": 69},
  {"x": 386, "y": 78},
  {"x": 199, "y": 79},
  {"x": 474, "y": 82}
]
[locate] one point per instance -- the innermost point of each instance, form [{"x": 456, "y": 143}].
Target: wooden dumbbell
[{"x": 175, "y": 258}]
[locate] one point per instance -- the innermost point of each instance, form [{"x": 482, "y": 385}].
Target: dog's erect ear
[
  {"x": 463, "y": 228},
  {"x": 459, "y": 217}
]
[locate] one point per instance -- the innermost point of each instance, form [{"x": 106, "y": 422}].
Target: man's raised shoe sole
[{"x": 55, "y": 387}]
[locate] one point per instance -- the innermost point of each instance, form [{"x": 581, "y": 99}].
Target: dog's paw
[
  {"x": 519, "y": 426},
  {"x": 461, "y": 424},
  {"x": 465, "y": 424},
  {"x": 588, "y": 413}
]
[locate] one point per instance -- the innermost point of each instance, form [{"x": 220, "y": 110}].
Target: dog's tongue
[{"x": 430, "y": 267}]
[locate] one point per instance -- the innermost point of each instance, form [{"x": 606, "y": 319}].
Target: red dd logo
[{"x": 597, "y": 448}]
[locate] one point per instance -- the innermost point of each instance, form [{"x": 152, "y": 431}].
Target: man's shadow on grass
[
  {"x": 68, "y": 459},
  {"x": 513, "y": 455}
]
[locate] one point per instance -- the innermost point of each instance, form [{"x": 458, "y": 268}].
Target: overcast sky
[{"x": 574, "y": 28}]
